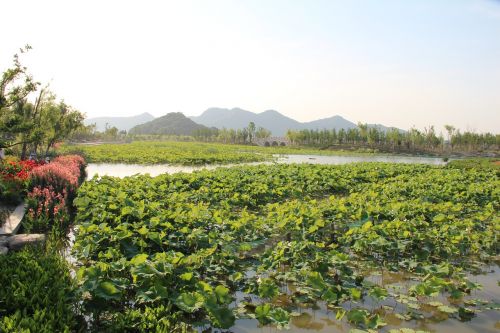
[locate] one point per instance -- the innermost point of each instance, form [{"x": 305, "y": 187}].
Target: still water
[
  {"x": 322, "y": 320},
  {"x": 124, "y": 170}
]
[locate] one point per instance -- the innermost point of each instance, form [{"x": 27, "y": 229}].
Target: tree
[
  {"x": 450, "y": 129},
  {"x": 15, "y": 86},
  {"x": 251, "y": 131},
  {"x": 32, "y": 125},
  {"x": 262, "y": 133},
  {"x": 59, "y": 122}
]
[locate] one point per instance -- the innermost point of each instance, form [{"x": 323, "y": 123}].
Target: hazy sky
[{"x": 400, "y": 63}]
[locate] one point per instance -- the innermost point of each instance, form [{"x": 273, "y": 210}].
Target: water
[
  {"x": 322, "y": 320},
  {"x": 322, "y": 159},
  {"x": 124, "y": 170}
]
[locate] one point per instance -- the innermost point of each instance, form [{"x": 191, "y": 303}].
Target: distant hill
[
  {"x": 272, "y": 120},
  {"x": 237, "y": 118},
  {"x": 122, "y": 123},
  {"x": 174, "y": 123}
]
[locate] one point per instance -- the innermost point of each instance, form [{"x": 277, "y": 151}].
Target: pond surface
[
  {"x": 322, "y": 320},
  {"x": 124, "y": 170}
]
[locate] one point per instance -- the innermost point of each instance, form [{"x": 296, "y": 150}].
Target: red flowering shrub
[
  {"x": 74, "y": 162},
  {"x": 63, "y": 173},
  {"x": 47, "y": 209},
  {"x": 53, "y": 187},
  {"x": 14, "y": 178}
]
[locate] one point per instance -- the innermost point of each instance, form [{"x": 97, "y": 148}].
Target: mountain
[
  {"x": 336, "y": 122},
  {"x": 237, "y": 118},
  {"x": 383, "y": 128},
  {"x": 272, "y": 120},
  {"x": 174, "y": 123},
  {"x": 122, "y": 123}
]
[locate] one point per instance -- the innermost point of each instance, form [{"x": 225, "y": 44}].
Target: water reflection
[
  {"x": 124, "y": 170},
  {"x": 322, "y": 320}
]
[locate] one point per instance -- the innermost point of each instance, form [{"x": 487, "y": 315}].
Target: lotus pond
[
  {"x": 125, "y": 169},
  {"x": 202, "y": 154},
  {"x": 362, "y": 247}
]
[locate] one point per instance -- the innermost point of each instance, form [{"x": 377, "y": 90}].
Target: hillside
[
  {"x": 122, "y": 123},
  {"x": 174, "y": 123}
]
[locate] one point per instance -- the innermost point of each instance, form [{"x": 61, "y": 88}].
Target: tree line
[
  {"x": 32, "y": 127},
  {"x": 246, "y": 135},
  {"x": 397, "y": 140}
]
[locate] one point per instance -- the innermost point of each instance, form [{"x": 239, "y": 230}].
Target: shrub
[
  {"x": 14, "y": 179},
  {"x": 37, "y": 293},
  {"x": 47, "y": 209},
  {"x": 63, "y": 173},
  {"x": 75, "y": 163}
]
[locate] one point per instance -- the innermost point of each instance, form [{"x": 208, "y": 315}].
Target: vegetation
[
  {"x": 477, "y": 163},
  {"x": 37, "y": 293},
  {"x": 52, "y": 190},
  {"x": 32, "y": 127},
  {"x": 90, "y": 133},
  {"x": 186, "y": 153},
  {"x": 189, "y": 152},
  {"x": 396, "y": 140},
  {"x": 14, "y": 179},
  {"x": 246, "y": 135},
  {"x": 173, "y": 250}
]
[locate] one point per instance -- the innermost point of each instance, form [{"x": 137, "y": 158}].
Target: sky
[{"x": 400, "y": 63}]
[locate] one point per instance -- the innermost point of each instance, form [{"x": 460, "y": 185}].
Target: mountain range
[
  {"x": 272, "y": 120},
  {"x": 234, "y": 118},
  {"x": 122, "y": 123}
]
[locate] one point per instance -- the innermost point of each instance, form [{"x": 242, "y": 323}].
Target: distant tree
[
  {"x": 262, "y": 133},
  {"x": 251, "y": 131},
  {"x": 450, "y": 129}
]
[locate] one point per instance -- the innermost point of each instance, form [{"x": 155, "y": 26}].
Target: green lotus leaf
[
  {"x": 223, "y": 294},
  {"x": 280, "y": 317},
  {"x": 222, "y": 317},
  {"x": 107, "y": 290},
  {"x": 268, "y": 289},
  {"x": 357, "y": 316},
  {"x": 262, "y": 313},
  {"x": 189, "y": 302},
  {"x": 139, "y": 259}
]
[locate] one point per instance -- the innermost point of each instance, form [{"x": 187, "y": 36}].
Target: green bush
[{"x": 37, "y": 293}]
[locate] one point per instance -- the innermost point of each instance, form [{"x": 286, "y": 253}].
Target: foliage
[
  {"x": 37, "y": 126},
  {"x": 476, "y": 163},
  {"x": 14, "y": 179},
  {"x": 183, "y": 243},
  {"x": 46, "y": 209},
  {"x": 37, "y": 293},
  {"x": 394, "y": 139},
  {"x": 185, "y": 153},
  {"x": 64, "y": 173},
  {"x": 53, "y": 187},
  {"x": 15, "y": 85}
]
